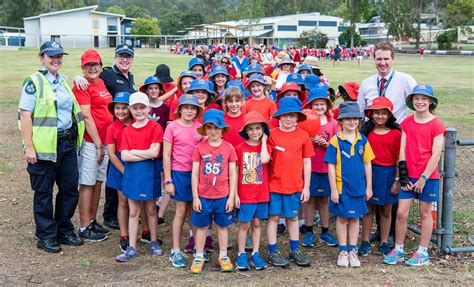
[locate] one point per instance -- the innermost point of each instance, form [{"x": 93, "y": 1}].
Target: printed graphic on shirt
[
  {"x": 252, "y": 170},
  {"x": 213, "y": 168},
  {"x": 154, "y": 117}
]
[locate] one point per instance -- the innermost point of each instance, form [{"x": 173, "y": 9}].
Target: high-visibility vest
[{"x": 45, "y": 118}]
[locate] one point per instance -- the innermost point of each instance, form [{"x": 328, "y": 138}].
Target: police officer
[
  {"x": 117, "y": 79},
  {"x": 52, "y": 128}
]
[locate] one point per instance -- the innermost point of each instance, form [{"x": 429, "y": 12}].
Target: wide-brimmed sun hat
[
  {"x": 349, "y": 110},
  {"x": 215, "y": 117},
  {"x": 254, "y": 117},
  {"x": 425, "y": 90},
  {"x": 188, "y": 99},
  {"x": 290, "y": 105},
  {"x": 380, "y": 103}
]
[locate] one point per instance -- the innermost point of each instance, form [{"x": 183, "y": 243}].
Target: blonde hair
[{"x": 232, "y": 92}]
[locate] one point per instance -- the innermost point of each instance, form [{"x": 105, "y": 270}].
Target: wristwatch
[{"x": 166, "y": 182}]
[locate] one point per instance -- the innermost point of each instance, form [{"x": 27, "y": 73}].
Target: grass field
[{"x": 22, "y": 264}]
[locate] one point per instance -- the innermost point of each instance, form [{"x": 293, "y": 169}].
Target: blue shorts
[
  {"x": 285, "y": 205},
  {"x": 212, "y": 209},
  {"x": 114, "y": 176},
  {"x": 349, "y": 207},
  {"x": 249, "y": 211},
  {"x": 383, "y": 178},
  {"x": 429, "y": 194},
  {"x": 182, "y": 186},
  {"x": 320, "y": 185}
]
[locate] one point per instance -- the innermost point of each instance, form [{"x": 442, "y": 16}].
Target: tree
[
  {"x": 446, "y": 39},
  {"x": 134, "y": 11},
  {"x": 115, "y": 10},
  {"x": 345, "y": 39},
  {"x": 460, "y": 13},
  {"x": 175, "y": 20},
  {"x": 313, "y": 39},
  {"x": 145, "y": 26},
  {"x": 399, "y": 17},
  {"x": 352, "y": 10}
]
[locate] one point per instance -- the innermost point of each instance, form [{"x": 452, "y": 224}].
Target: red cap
[
  {"x": 380, "y": 103},
  {"x": 351, "y": 88},
  {"x": 290, "y": 87},
  {"x": 90, "y": 56}
]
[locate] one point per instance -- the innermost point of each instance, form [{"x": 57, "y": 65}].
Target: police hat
[
  {"x": 52, "y": 49},
  {"x": 124, "y": 49}
]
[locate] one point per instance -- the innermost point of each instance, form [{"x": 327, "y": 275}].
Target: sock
[
  {"x": 399, "y": 247},
  {"x": 222, "y": 253},
  {"x": 309, "y": 228},
  {"x": 253, "y": 253},
  {"x": 342, "y": 248},
  {"x": 190, "y": 232},
  {"x": 324, "y": 229},
  {"x": 82, "y": 229},
  {"x": 294, "y": 245},
  {"x": 209, "y": 232},
  {"x": 301, "y": 222},
  {"x": 199, "y": 255},
  {"x": 282, "y": 221},
  {"x": 352, "y": 247},
  {"x": 238, "y": 254},
  {"x": 174, "y": 250},
  {"x": 422, "y": 250},
  {"x": 272, "y": 248}
]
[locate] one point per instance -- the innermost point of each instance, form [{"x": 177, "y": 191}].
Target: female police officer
[{"x": 52, "y": 128}]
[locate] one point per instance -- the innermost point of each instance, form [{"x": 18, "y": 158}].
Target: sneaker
[
  {"x": 90, "y": 234},
  {"x": 308, "y": 239},
  {"x": 177, "y": 259},
  {"x": 128, "y": 255},
  {"x": 198, "y": 264},
  {"x": 384, "y": 248},
  {"x": 208, "y": 246},
  {"x": 248, "y": 242},
  {"x": 298, "y": 257},
  {"x": 155, "y": 248},
  {"x": 124, "y": 243},
  {"x": 393, "y": 257},
  {"x": 161, "y": 221},
  {"x": 99, "y": 228},
  {"x": 190, "y": 246},
  {"x": 343, "y": 259},
  {"x": 258, "y": 262},
  {"x": 225, "y": 265},
  {"x": 418, "y": 259},
  {"x": 353, "y": 259},
  {"x": 365, "y": 248},
  {"x": 330, "y": 239},
  {"x": 242, "y": 262},
  {"x": 205, "y": 256},
  {"x": 276, "y": 259},
  {"x": 146, "y": 237},
  {"x": 281, "y": 229}
]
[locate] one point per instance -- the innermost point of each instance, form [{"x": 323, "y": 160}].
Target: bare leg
[
  {"x": 385, "y": 221},
  {"x": 368, "y": 221},
  {"x": 341, "y": 230},
  {"x": 85, "y": 199},
  {"x": 200, "y": 238},
  {"x": 426, "y": 223},
  {"x": 293, "y": 228},
  {"x": 272, "y": 225},
  {"x": 122, "y": 214},
  {"x": 241, "y": 236},
  {"x": 353, "y": 230},
  {"x": 256, "y": 232},
  {"x": 95, "y": 199},
  {"x": 223, "y": 237},
  {"x": 150, "y": 207},
  {"x": 178, "y": 222},
  {"x": 134, "y": 215},
  {"x": 402, "y": 218}
]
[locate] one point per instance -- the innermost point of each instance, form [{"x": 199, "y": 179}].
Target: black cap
[
  {"x": 163, "y": 72},
  {"x": 52, "y": 49},
  {"x": 124, "y": 49}
]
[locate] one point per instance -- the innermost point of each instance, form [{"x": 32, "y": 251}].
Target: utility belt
[{"x": 69, "y": 134}]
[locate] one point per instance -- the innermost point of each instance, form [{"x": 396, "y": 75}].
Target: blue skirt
[
  {"x": 383, "y": 178},
  {"x": 142, "y": 180},
  {"x": 349, "y": 207},
  {"x": 114, "y": 176},
  {"x": 320, "y": 185}
]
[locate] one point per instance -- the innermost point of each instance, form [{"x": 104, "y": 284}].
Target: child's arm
[
  {"x": 169, "y": 188},
  {"x": 436, "y": 150},
  {"x": 150, "y": 153},
  {"x": 194, "y": 186},
  {"x": 128, "y": 156},
  {"x": 114, "y": 158},
  {"x": 237, "y": 198},
  {"x": 307, "y": 179},
  {"x": 332, "y": 182},
  {"x": 368, "y": 180},
  {"x": 168, "y": 95},
  {"x": 264, "y": 155},
  {"x": 232, "y": 186}
]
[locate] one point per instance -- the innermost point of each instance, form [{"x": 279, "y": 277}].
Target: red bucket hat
[
  {"x": 380, "y": 103},
  {"x": 351, "y": 88},
  {"x": 254, "y": 117},
  {"x": 290, "y": 87},
  {"x": 90, "y": 56}
]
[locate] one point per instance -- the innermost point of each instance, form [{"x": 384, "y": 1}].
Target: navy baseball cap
[
  {"x": 124, "y": 49},
  {"x": 52, "y": 49}
]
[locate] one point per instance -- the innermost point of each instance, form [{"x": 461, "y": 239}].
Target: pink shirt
[
  {"x": 326, "y": 131},
  {"x": 183, "y": 140}
]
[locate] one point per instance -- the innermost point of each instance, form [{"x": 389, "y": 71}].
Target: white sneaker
[
  {"x": 353, "y": 259},
  {"x": 343, "y": 259}
]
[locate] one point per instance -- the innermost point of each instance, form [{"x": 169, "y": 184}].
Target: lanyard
[{"x": 386, "y": 85}]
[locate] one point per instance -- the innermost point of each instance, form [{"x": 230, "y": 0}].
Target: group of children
[{"x": 223, "y": 155}]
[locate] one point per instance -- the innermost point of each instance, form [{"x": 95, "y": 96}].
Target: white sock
[
  {"x": 399, "y": 247},
  {"x": 174, "y": 250},
  {"x": 238, "y": 254},
  {"x": 301, "y": 222},
  {"x": 422, "y": 250},
  {"x": 222, "y": 253},
  {"x": 199, "y": 255},
  {"x": 190, "y": 232},
  {"x": 82, "y": 229},
  {"x": 209, "y": 232},
  {"x": 253, "y": 253}
]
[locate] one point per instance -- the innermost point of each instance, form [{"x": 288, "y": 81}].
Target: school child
[
  {"x": 285, "y": 67},
  {"x": 214, "y": 184},
  {"x": 219, "y": 76},
  {"x": 180, "y": 139},
  {"x": 141, "y": 143},
  {"x": 206, "y": 96},
  {"x": 350, "y": 177},
  {"x": 159, "y": 110},
  {"x": 252, "y": 196},
  {"x": 233, "y": 106},
  {"x": 287, "y": 90},
  {"x": 320, "y": 190},
  {"x": 384, "y": 135},
  {"x": 197, "y": 66},
  {"x": 305, "y": 70},
  {"x": 290, "y": 174},
  {"x": 184, "y": 83},
  {"x": 258, "y": 101},
  {"x": 122, "y": 118},
  {"x": 420, "y": 150},
  {"x": 349, "y": 93}
]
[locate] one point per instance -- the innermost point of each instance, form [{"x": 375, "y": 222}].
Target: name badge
[
  {"x": 207, "y": 156},
  {"x": 280, "y": 148},
  {"x": 345, "y": 154},
  {"x": 120, "y": 82}
]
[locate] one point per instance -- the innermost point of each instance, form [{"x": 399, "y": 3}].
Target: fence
[{"x": 457, "y": 170}]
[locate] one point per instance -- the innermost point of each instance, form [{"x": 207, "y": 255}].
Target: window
[
  {"x": 307, "y": 23},
  {"x": 327, "y": 23},
  {"x": 287, "y": 28},
  {"x": 341, "y": 29},
  {"x": 267, "y": 27},
  {"x": 56, "y": 38}
]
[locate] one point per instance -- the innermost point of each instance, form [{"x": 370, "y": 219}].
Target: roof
[
  {"x": 270, "y": 20},
  {"x": 93, "y": 9}
]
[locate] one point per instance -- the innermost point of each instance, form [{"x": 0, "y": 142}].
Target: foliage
[
  {"x": 460, "y": 13},
  {"x": 313, "y": 39},
  {"x": 115, "y": 10},
  {"x": 446, "y": 40},
  {"x": 176, "y": 20},
  {"x": 134, "y": 11},
  {"x": 399, "y": 17},
  {"x": 354, "y": 11},
  {"x": 345, "y": 38},
  {"x": 145, "y": 26}
]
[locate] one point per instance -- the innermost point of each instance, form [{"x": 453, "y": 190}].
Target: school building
[{"x": 279, "y": 30}]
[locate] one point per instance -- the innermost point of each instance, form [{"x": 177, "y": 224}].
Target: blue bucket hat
[
  {"x": 305, "y": 67},
  {"x": 318, "y": 93},
  {"x": 124, "y": 49},
  {"x": 256, "y": 78},
  {"x": 290, "y": 105},
  {"x": 238, "y": 84},
  {"x": 254, "y": 68},
  {"x": 200, "y": 84},
  {"x": 52, "y": 49},
  {"x": 295, "y": 78},
  {"x": 120, "y": 97},
  {"x": 311, "y": 81},
  {"x": 215, "y": 117},
  {"x": 196, "y": 61},
  {"x": 151, "y": 80},
  {"x": 218, "y": 69},
  {"x": 425, "y": 90},
  {"x": 188, "y": 99},
  {"x": 349, "y": 110},
  {"x": 183, "y": 74}
]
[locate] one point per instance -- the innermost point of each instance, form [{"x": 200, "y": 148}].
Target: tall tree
[{"x": 354, "y": 11}]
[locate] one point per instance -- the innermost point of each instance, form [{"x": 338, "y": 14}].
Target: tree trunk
[
  {"x": 418, "y": 24},
  {"x": 352, "y": 20}
]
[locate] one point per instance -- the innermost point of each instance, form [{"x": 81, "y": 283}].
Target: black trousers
[
  {"x": 50, "y": 221},
  {"x": 111, "y": 203}
]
